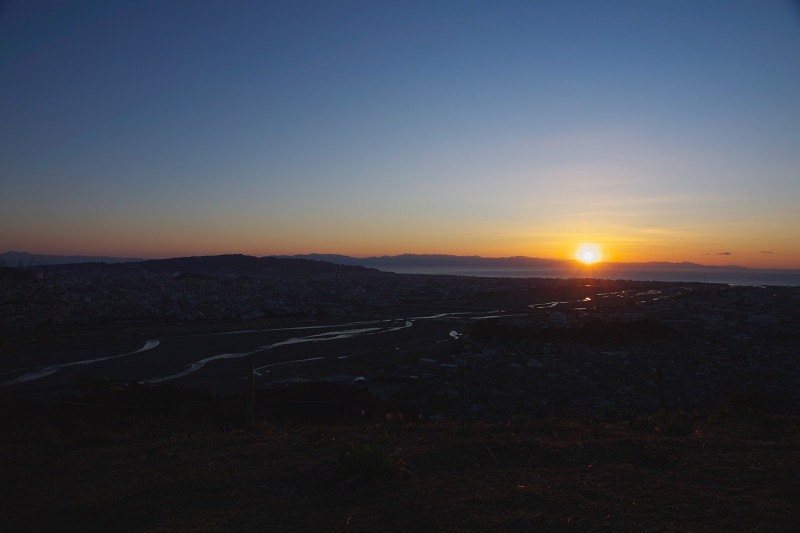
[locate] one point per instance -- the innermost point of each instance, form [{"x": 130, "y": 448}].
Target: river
[{"x": 220, "y": 361}]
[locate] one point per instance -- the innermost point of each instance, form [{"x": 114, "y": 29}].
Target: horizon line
[{"x": 473, "y": 256}]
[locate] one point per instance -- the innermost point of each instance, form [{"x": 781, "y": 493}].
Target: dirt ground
[{"x": 722, "y": 471}]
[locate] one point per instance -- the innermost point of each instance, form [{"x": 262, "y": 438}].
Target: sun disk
[{"x": 588, "y": 253}]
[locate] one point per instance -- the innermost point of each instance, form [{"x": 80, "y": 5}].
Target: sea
[{"x": 736, "y": 276}]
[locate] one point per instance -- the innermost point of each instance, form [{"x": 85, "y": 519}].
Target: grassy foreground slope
[{"x": 735, "y": 469}]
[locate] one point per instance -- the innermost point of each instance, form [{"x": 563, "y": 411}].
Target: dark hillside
[{"x": 216, "y": 265}]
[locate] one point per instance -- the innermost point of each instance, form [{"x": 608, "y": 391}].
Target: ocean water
[{"x": 706, "y": 275}]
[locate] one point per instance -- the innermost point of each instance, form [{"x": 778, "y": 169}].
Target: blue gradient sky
[{"x": 660, "y": 130}]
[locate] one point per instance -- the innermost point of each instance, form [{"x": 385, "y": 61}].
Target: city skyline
[{"x": 665, "y": 131}]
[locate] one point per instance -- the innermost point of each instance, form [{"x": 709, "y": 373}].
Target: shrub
[
  {"x": 369, "y": 461},
  {"x": 520, "y": 420},
  {"x": 667, "y": 422},
  {"x": 760, "y": 402}
]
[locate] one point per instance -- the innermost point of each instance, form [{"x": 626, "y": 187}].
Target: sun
[{"x": 588, "y": 253}]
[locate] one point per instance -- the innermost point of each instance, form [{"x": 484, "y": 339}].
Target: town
[{"x": 577, "y": 345}]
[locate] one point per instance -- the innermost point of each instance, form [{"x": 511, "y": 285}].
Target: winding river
[{"x": 205, "y": 360}]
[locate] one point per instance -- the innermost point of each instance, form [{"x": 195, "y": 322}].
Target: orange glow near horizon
[{"x": 180, "y": 243}]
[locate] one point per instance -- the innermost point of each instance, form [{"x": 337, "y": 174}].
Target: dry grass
[{"x": 549, "y": 475}]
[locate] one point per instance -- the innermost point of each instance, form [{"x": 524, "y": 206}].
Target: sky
[{"x": 654, "y": 130}]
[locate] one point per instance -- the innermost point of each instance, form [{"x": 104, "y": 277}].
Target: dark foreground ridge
[{"x": 166, "y": 459}]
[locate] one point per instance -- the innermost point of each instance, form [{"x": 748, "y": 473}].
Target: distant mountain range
[
  {"x": 216, "y": 265},
  {"x": 241, "y": 265},
  {"x": 474, "y": 261},
  {"x": 433, "y": 260},
  {"x": 316, "y": 264},
  {"x": 25, "y": 259}
]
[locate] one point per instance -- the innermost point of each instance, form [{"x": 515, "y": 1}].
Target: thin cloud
[
  {"x": 724, "y": 253},
  {"x": 766, "y": 252}
]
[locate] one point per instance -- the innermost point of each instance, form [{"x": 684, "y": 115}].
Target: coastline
[{"x": 728, "y": 276}]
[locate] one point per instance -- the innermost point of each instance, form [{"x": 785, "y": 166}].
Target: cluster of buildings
[
  {"x": 39, "y": 301},
  {"x": 703, "y": 345}
]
